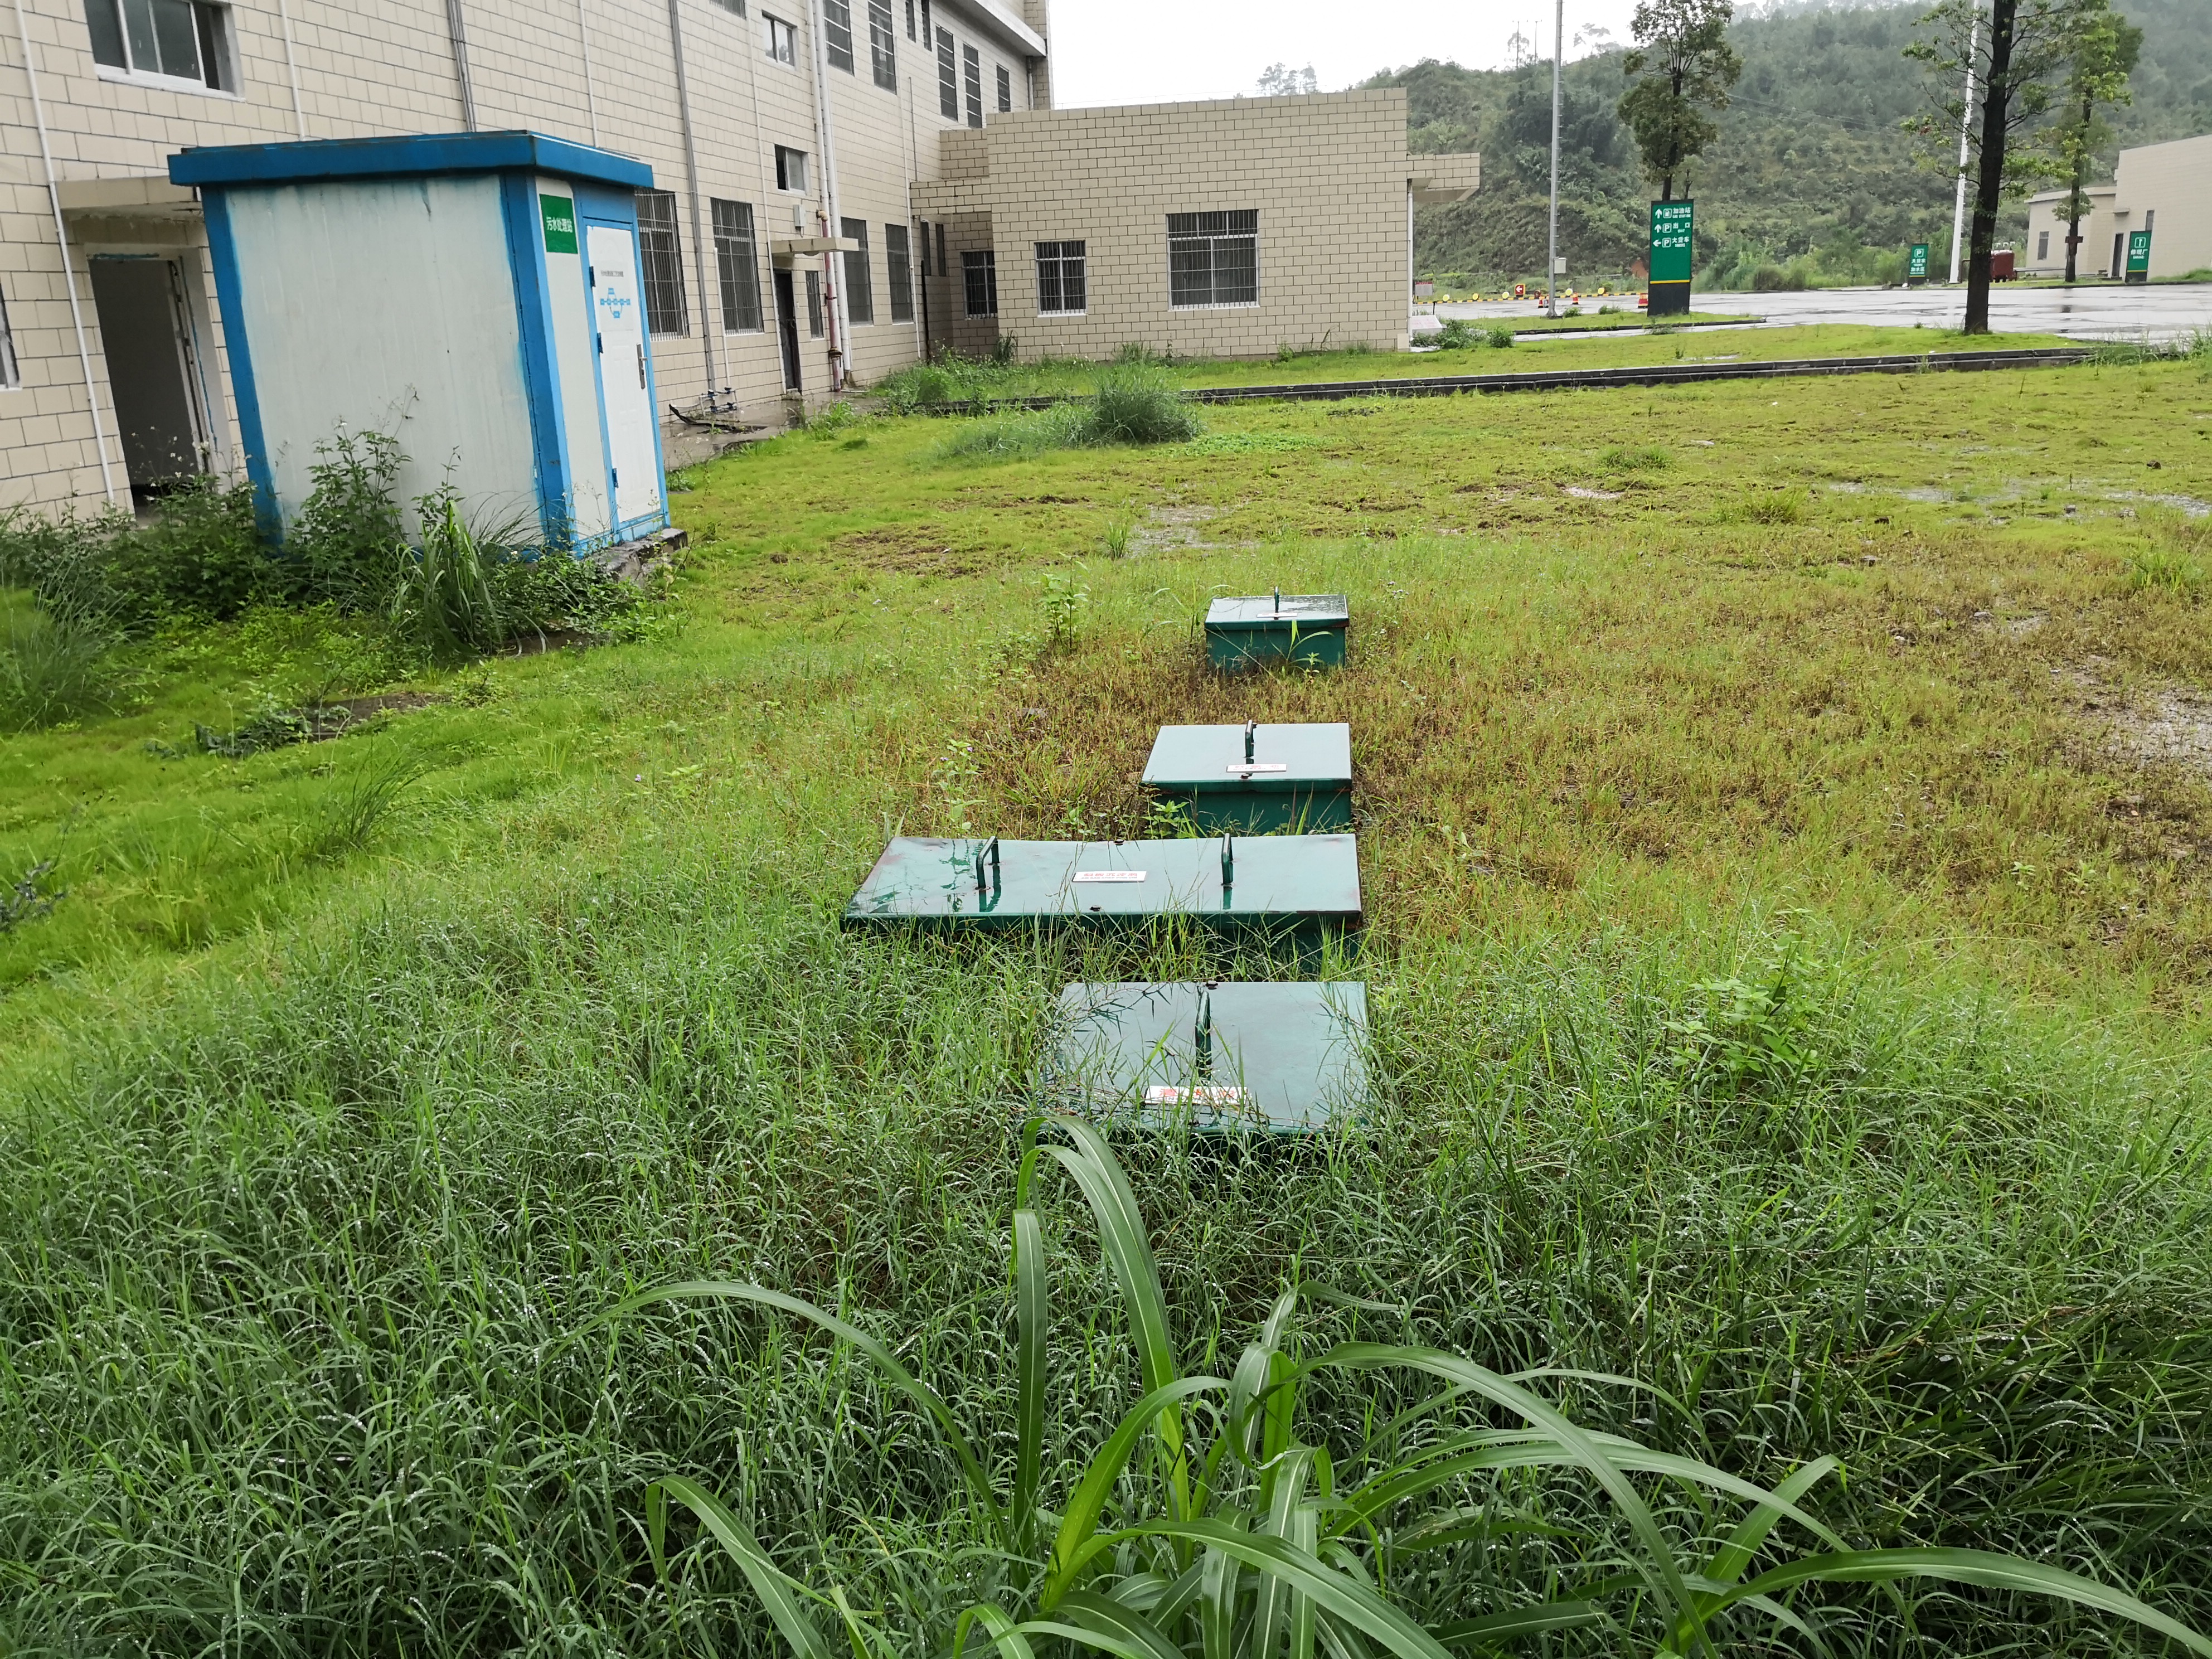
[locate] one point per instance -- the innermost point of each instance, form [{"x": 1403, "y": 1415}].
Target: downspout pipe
[
  {"x": 69, "y": 275},
  {"x": 691, "y": 184},
  {"x": 457, "y": 27},
  {"x": 833, "y": 297}
]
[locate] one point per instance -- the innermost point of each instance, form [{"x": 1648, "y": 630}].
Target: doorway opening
[
  {"x": 786, "y": 328},
  {"x": 147, "y": 340}
]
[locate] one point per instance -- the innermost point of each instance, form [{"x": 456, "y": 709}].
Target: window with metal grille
[
  {"x": 174, "y": 39},
  {"x": 971, "y": 65},
  {"x": 1006, "y": 90},
  {"x": 738, "y": 262},
  {"x": 898, "y": 271},
  {"x": 1213, "y": 259},
  {"x": 11, "y": 372},
  {"x": 814, "y": 303},
  {"x": 859, "y": 285},
  {"x": 979, "y": 269},
  {"x": 837, "y": 33},
  {"x": 1060, "y": 287},
  {"x": 882, "y": 45},
  {"x": 948, "y": 78},
  {"x": 782, "y": 39},
  {"x": 661, "y": 263}
]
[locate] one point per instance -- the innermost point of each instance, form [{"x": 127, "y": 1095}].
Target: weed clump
[
  {"x": 1774, "y": 506},
  {"x": 56, "y": 665},
  {"x": 2164, "y": 570},
  {"x": 1650, "y": 458},
  {"x": 1138, "y": 404}
]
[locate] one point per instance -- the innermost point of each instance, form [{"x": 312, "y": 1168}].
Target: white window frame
[
  {"x": 783, "y": 171},
  {"x": 225, "y": 45},
  {"x": 1060, "y": 260},
  {"x": 769, "y": 25}
]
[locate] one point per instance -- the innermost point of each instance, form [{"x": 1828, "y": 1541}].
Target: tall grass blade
[
  {"x": 1004, "y": 1634},
  {"x": 1079, "y": 1539},
  {"x": 1287, "y": 1491},
  {"x": 1137, "y": 1637},
  {"x": 1658, "y": 1567},
  {"x": 1032, "y": 1312},
  {"x": 1733, "y": 1557},
  {"x": 1520, "y": 1621},
  {"x": 1339, "y": 1593},
  {"x": 1977, "y": 1567},
  {"x": 774, "y": 1589},
  {"x": 906, "y": 1383}
]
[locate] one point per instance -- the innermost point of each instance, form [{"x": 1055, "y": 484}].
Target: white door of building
[{"x": 625, "y": 394}]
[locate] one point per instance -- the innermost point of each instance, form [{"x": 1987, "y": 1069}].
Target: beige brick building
[
  {"x": 1231, "y": 227},
  {"x": 840, "y": 186},
  {"x": 2165, "y": 189},
  {"x": 115, "y": 376}
]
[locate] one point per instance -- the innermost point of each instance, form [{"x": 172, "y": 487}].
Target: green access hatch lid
[
  {"x": 1300, "y": 883},
  {"x": 1205, "y": 759},
  {"x": 1218, "y": 1055},
  {"x": 1309, "y": 611}
]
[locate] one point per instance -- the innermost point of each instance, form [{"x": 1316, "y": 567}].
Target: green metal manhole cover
[
  {"x": 1299, "y": 889},
  {"x": 1218, "y": 1055},
  {"x": 1310, "y": 628},
  {"x": 1254, "y": 780}
]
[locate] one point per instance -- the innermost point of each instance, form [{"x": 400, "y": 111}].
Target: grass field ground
[{"x": 1785, "y": 814}]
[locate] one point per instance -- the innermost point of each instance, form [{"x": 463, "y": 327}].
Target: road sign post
[
  {"x": 2138, "y": 256},
  {"x": 1673, "y": 226}
]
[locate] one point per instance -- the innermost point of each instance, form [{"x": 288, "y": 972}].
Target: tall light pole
[
  {"x": 1552, "y": 267},
  {"x": 1965, "y": 127}
]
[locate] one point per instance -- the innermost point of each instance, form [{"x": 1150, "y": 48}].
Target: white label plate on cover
[
  {"x": 1169, "y": 1094},
  {"x": 1109, "y": 875},
  {"x": 1249, "y": 767}
]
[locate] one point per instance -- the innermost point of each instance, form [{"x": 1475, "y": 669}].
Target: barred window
[
  {"x": 971, "y": 63},
  {"x": 979, "y": 269},
  {"x": 837, "y": 33},
  {"x": 661, "y": 263},
  {"x": 738, "y": 261},
  {"x": 909, "y": 19},
  {"x": 948, "y": 78},
  {"x": 898, "y": 268},
  {"x": 882, "y": 44},
  {"x": 860, "y": 285},
  {"x": 1060, "y": 287},
  {"x": 1213, "y": 259},
  {"x": 736, "y": 8},
  {"x": 814, "y": 303},
  {"x": 1006, "y": 90}
]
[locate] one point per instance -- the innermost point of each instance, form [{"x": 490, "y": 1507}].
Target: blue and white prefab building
[{"x": 475, "y": 295}]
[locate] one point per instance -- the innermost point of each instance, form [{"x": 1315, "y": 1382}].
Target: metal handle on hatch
[{"x": 641, "y": 368}]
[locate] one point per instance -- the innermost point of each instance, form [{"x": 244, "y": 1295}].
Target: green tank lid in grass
[
  {"x": 1295, "y": 889},
  {"x": 1254, "y": 780},
  {"x": 1309, "y": 629},
  {"x": 1220, "y": 1055}
]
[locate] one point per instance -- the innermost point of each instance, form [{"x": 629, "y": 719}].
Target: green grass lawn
[{"x": 1785, "y": 814}]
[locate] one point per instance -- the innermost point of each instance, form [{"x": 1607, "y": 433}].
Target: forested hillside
[{"x": 1811, "y": 162}]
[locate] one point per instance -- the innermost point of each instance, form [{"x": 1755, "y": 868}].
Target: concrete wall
[
  {"x": 1326, "y": 174},
  {"x": 2167, "y": 189},
  {"x": 2046, "y": 228},
  {"x": 598, "y": 71}
]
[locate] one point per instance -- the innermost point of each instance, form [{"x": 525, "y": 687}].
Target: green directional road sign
[
  {"x": 2139, "y": 256},
  {"x": 1673, "y": 233},
  {"x": 1916, "y": 264}
]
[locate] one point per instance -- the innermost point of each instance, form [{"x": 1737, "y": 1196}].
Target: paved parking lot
[{"x": 2089, "y": 312}]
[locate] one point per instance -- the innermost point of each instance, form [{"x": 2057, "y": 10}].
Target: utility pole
[
  {"x": 1552, "y": 268},
  {"x": 1965, "y": 127}
]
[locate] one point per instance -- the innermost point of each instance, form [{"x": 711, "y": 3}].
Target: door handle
[{"x": 641, "y": 368}]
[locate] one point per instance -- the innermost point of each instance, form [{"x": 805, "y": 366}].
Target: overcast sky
[{"x": 1145, "y": 52}]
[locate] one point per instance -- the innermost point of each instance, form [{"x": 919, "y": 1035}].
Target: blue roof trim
[{"x": 427, "y": 152}]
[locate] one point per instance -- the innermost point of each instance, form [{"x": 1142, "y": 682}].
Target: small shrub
[
  {"x": 827, "y": 421},
  {"x": 1648, "y": 459},
  {"x": 2168, "y": 570},
  {"x": 1775, "y": 279},
  {"x": 1060, "y": 610},
  {"x": 198, "y": 557},
  {"x": 1779, "y": 506},
  {"x": 1501, "y": 337},
  {"x": 1458, "y": 334},
  {"x": 1002, "y": 351},
  {"x": 361, "y": 802},
  {"x": 1138, "y": 404},
  {"x": 1119, "y": 530},
  {"x": 55, "y": 666},
  {"x": 342, "y": 546},
  {"x": 25, "y": 900}
]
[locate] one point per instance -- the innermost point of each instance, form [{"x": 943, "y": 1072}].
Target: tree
[
  {"x": 2110, "y": 46},
  {"x": 2016, "y": 51},
  {"x": 1684, "y": 45},
  {"x": 1281, "y": 80}
]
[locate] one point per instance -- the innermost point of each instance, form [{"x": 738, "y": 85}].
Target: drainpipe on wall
[
  {"x": 292, "y": 70},
  {"x": 591, "y": 95},
  {"x": 457, "y": 27},
  {"x": 69, "y": 276},
  {"x": 691, "y": 180},
  {"x": 833, "y": 296}
]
